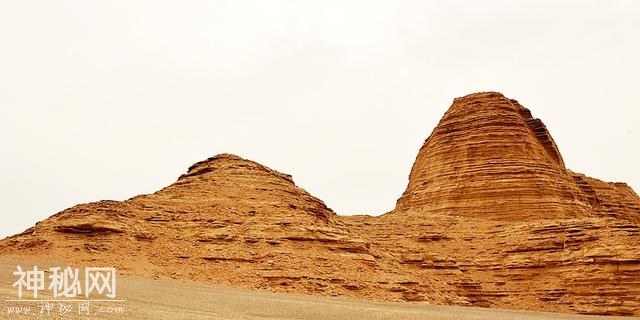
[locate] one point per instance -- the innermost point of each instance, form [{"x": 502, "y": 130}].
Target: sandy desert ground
[{"x": 170, "y": 299}]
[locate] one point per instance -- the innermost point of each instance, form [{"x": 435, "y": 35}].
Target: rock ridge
[{"x": 490, "y": 217}]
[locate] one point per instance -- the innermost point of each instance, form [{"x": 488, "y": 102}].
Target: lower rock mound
[{"x": 227, "y": 220}]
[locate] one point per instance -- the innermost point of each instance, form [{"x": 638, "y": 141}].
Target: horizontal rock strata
[{"x": 490, "y": 217}]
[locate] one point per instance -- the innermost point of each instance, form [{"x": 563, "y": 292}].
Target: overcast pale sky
[{"x": 110, "y": 99}]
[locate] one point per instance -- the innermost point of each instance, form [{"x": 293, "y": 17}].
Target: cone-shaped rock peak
[{"x": 488, "y": 157}]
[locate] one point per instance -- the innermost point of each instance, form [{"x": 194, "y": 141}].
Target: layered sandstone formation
[
  {"x": 490, "y": 217},
  {"x": 227, "y": 220},
  {"x": 491, "y": 184},
  {"x": 488, "y": 157}
]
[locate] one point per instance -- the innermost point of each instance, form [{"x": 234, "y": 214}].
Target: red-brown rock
[{"x": 490, "y": 217}]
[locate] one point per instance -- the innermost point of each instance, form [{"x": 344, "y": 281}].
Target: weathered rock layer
[
  {"x": 227, "y": 220},
  {"x": 490, "y": 217},
  {"x": 531, "y": 233},
  {"x": 488, "y": 157}
]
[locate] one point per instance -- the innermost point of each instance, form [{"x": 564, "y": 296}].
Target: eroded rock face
[
  {"x": 533, "y": 234},
  {"x": 227, "y": 220},
  {"x": 490, "y": 217},
  {"x": 488, "y": 157}
]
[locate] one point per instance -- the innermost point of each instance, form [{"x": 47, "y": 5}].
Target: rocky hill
[
  {"x": 490, "y": 217},
  {"x": 489, "y": 192}
]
